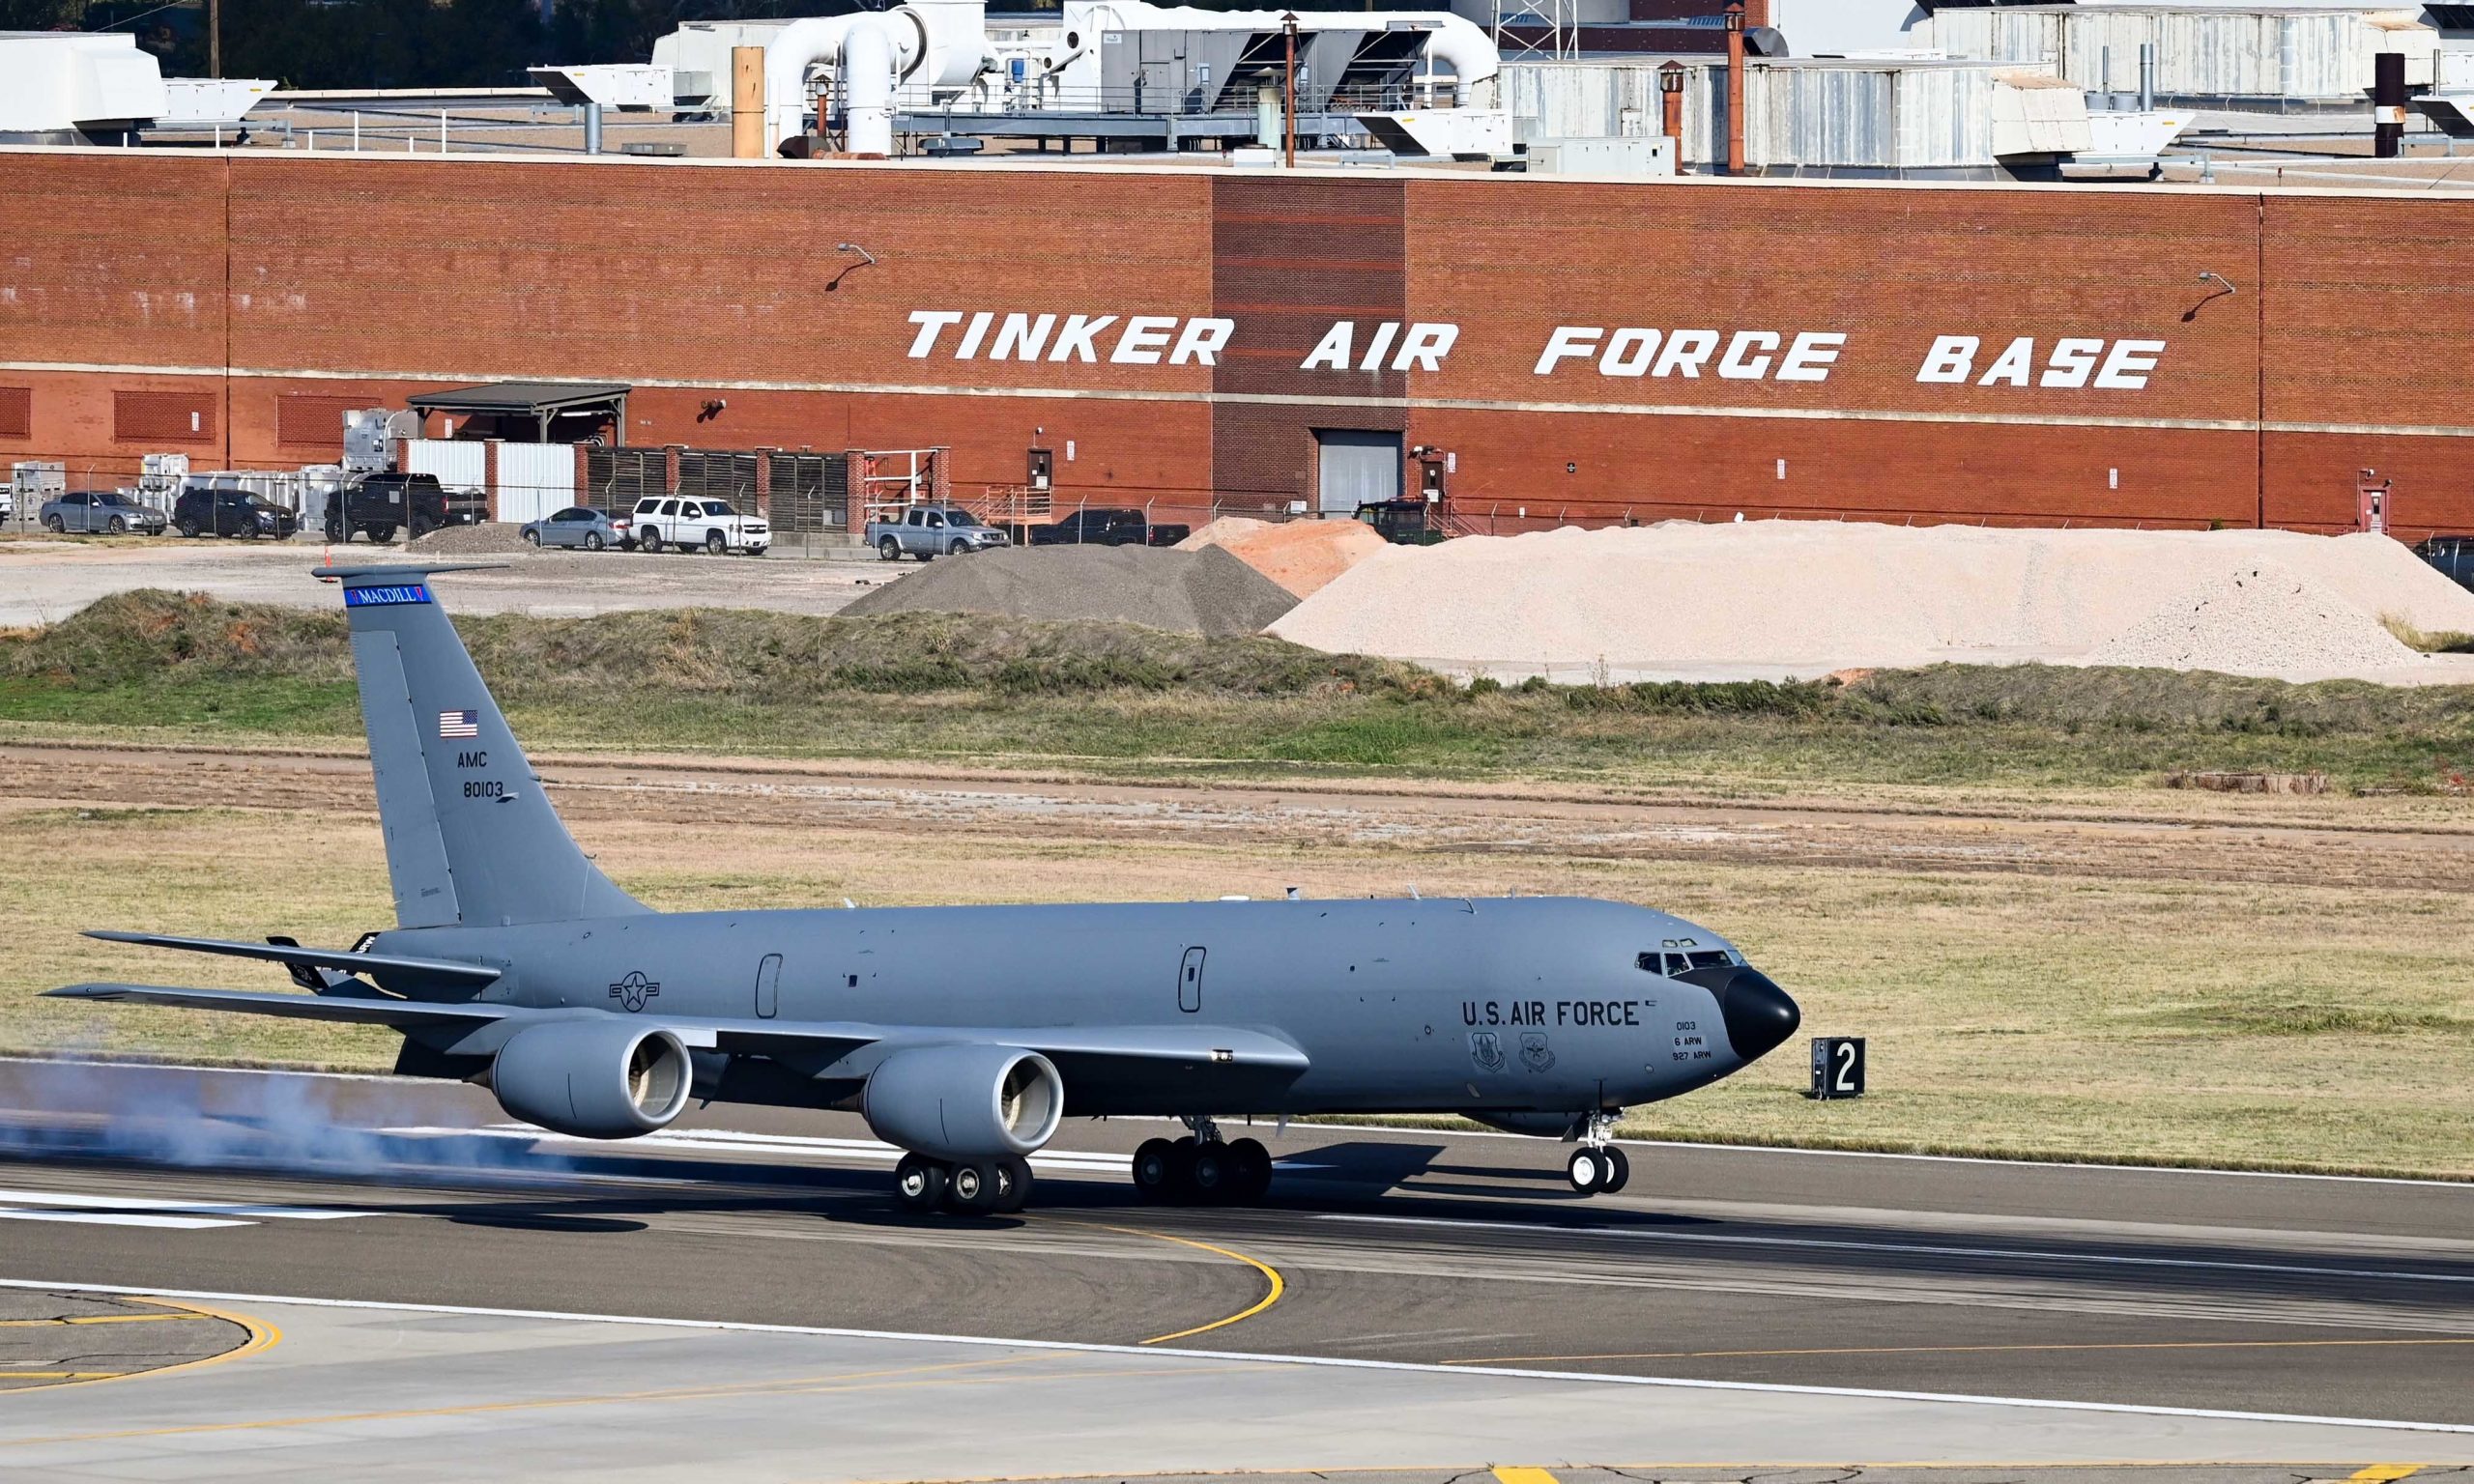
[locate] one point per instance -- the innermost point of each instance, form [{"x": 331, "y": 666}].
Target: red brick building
[{"x": 1698, "y": 348}]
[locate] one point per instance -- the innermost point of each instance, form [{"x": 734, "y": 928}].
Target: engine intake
[
  {"x": 597, "y": 1080},
  {"x": 964, "y": 1102}
]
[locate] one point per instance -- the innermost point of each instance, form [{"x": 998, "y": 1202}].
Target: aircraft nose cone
[{"x": 1758, "y": 1014}]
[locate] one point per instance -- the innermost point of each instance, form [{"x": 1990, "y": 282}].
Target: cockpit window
[{"x": 1677, "y": 960}]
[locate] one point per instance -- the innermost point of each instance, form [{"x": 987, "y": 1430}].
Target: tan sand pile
[
  {"x": 1187, "y": 593},
  {"x": 1303, "y": 556},
  {"x": 1808, "y": 597}
]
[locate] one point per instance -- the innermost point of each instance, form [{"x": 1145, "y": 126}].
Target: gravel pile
[
  {"x": 1808, "y": 597},
  {"x": 1207, "y": 592},
  {"x": 2263, "y": 620},
  {"x": 1303, "y": 556},
  {"x": 484, "y": 539}
]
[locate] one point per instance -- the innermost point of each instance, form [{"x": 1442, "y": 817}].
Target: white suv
[{"x": 699, "y": 525}]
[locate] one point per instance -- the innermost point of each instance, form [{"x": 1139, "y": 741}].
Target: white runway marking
[
  {"x": 142, "y": 1210},
  {"x": 1335, "y": 1362},
  {"x": 1832, "y": 1245}
]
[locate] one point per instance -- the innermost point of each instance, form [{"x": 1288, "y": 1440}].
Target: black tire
[
  {"x": 1586, "y": 1170},
  {"x": 1210, "y": 1174},
  {"x": 592, "y": 541},
  {"x": 249, "y": 532},
  {"x": 650, "y": 540},
  {"x": 1012, "y": 1185},
  {"x": 382, "y": 535},
  {"x": 186, "y": 527},
  {"x": 531, "y": 537},
  {"x": 890, "y": 550},
  {"x": 420, "y": 527},
  {"x": 716, "y": 544},
  {"x": 958, "y": 549},
  {"x": 117, "y": 527},
  {"x": 1155, "y": 1170},
  {"x": 973, "y": 1188},
  {"x": 337, "y": 536},
  {"x": 55, "y": 525},
  {"x": 1618, "y": 1169},
  {"x": 1250, "y": 1170},
  {"x": 918, "y": 1183}
]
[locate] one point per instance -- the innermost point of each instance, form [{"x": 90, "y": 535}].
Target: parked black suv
[
  {"x": 1107, "y": 527},
  {"x": 205, "y": 512},
  {"x": 2451, "y": 556},
  {"x": 379, "y": 503}
]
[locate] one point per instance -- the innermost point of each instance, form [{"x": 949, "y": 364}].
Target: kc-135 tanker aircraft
[{"x": 963, "y": 1035}]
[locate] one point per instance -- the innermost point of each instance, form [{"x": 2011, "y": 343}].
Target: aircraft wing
[
  {"x": 1108, "y": 1053},
  {"x": 454, "y": 971},
  {"x": 360, "y": 1009}
]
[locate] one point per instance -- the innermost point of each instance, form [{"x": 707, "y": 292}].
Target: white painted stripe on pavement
[
  {"x": 1332, "y": 1362},
  {"x": 1912, "y": 1250},
  {"x": 190, "y": 1207},
  {"x": 116, "y": 1219}
]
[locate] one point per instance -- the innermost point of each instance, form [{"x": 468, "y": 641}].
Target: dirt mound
[
  {"x": 1808, "y": 597},
  {"x": 1303, "y": 556},
  {"x": 480, "y": 540},
  {"x": 1184, "y": 592},
  {"x": 2263, "y": 620}
]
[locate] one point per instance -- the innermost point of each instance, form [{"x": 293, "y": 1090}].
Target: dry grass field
[{"x": 2287, "y": 988}]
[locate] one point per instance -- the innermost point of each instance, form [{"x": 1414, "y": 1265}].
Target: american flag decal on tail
[{"x": 459, "y": 724}]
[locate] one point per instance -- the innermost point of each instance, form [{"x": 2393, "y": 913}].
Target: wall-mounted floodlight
[{"x": 867, "y": 259}]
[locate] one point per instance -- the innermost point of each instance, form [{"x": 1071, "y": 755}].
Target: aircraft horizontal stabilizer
[
  {"x": 356, "y": 1009},
  {"x": 451, "y": 970}
]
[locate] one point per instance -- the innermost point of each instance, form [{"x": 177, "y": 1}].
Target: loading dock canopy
[{"x": 544, "y": 402}]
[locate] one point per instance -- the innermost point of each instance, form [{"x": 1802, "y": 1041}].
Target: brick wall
[{"x": 2338, "y": 349}]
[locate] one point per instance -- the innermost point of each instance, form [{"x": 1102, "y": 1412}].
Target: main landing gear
[
  {"x": 1597, "y": 1167},
  {"x": 1201, "y": 1169},
  {"x": 976, "y": 1188}
]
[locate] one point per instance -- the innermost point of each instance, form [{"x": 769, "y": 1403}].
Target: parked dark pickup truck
[{"x": 1107, "y": 527}]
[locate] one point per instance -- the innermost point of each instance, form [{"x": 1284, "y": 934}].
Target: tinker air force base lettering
[{"x": 1614, "y": 352}]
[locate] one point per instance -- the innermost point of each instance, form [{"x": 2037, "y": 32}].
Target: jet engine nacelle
[
  {"x": 598, "y": 1079},
  {"x": 964, "y": 1102}
]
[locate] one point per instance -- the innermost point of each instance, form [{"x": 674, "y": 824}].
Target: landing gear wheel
[
  {"x": 1250, "y": 1170},
  {"x": 1588, "y": 1170},
  {"x": 1209, "y": 1174},
  {"x": 972, "y": 1188},
  {"x": 1155, "y": 1170},
  {"x": 919, "y": 1182},
  {"x": 1618, "y": 1169},
  {"x": 1013, "y": 1184}
]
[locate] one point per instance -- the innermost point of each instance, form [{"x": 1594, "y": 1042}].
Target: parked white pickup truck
[{"x": 699, "y": 525}]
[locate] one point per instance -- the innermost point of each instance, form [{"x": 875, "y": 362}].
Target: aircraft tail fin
[{"x": 471, "y": 840}]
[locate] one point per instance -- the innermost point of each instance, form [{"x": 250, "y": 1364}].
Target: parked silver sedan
[
  {"x": 105, "y": 511},
  {"x": 578, "y": 526}
]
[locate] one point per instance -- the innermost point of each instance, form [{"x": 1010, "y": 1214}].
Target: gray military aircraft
[{"x": 963, "y": 1035}]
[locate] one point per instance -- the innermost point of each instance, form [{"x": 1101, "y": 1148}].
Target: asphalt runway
[{"x": 1878, "y": 1282}]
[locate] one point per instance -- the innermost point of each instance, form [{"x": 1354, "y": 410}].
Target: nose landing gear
[
  {"x": 1202, "y": 1169},
  {"x": 1598, "y": 1167},
  {"x": 973, "y": 1187}
]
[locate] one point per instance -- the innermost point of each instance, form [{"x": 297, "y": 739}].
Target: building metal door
[
  {"x": 1190, "y": 982},
  {"x": 1357, "y": 468},
  {"x": 769, "y": 986}
]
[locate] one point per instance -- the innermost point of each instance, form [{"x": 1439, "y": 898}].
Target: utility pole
[
  {"x": 215, "y": 37},
  {"x": 1734, "y": 87},
  {"x": 1288, "y": 26}
]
